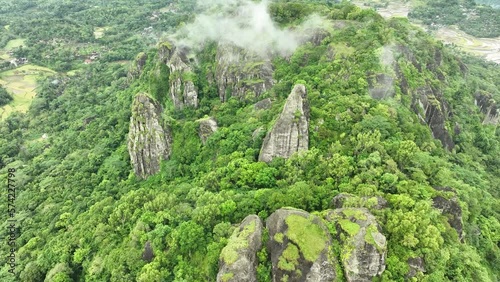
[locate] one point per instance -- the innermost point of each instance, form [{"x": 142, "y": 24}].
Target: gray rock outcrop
[
  {"x": 138, "y": 65},
  {"x": 238, "y": 73},
  {"x": 263, "y": 104},
  {"x": 149, "y": 139},
  {"x": 451, "y": 208},
  {"x": 183, "y": 92},
  {"x": 375, "y": 202},
  {"x": 428, "y": 101},
  {"x": 488, "y": 107},
  {"x": 238, "y": 259},
  {"x": 299, "y": 245},
  {"x": 207, "y": 127},
  {"x": 431, "y": 108},
  {"x": 290, "y": 133},
  {"x": 416, "y": 265},
  {"x": 364, "y": 247}
]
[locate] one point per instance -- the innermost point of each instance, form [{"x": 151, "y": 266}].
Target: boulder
[
  {"x": 299, "y": 245},
  {"x": 238, "y": 259},
  {"x": 207, "y": 127},
  {"x": 148, "y": 254},
  {"x": 183, "y": 92},
  {"x": 364, "y": 247},
  {"x": 290, "y": 133},
  {"x": 416, "y": 265},
  {"x": 241, "y": 74},
  {"x": 149, "y": 139},
  {"x": 451, "y": 208}
]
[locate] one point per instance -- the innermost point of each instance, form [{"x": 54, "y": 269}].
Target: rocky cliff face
[
  {"x": 238, "y": 260},
  {"x": 364, "y": 247},
  {"x": 241, "y": 74},
  {"x": 300, "y": 247},
  {"x": 451, "y": 208},
  {"x": 149, "y": 140},
  {"x": 290, "y": 133},
  {"x": 427, "y": 100},
  {"x": 488, "y": 107},
  {"x": 183, "y": 92},
  {"x": 138, "y": 65}
]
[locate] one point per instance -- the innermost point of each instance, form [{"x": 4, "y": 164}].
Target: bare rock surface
[{"x": 290, "y": 133}]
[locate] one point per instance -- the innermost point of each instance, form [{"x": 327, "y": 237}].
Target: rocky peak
[
  {"x": 182, "y": 89},
  {"x": 207, "y": 127},
  {"x": 364, "y": 247},
  {"x": 238, "y": 259},
  {"x": 149, "y": 139},
  {"x": 290, "y": 133},
  {"x": 138, "y": 65},
  {"x": 241, "y": 74},
  {"x": 488, "y": 107},
  {"x": 299, "y": 245}
]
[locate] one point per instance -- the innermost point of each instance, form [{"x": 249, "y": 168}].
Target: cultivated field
[
  {"x": 488, "y": 48},
  {"x": 21, "y": 83}
]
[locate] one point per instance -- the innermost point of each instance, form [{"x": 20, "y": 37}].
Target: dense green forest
[{"x": 83, "y": 215}]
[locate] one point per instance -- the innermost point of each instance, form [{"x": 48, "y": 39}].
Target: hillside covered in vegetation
[{"x": 280, "y": 141}]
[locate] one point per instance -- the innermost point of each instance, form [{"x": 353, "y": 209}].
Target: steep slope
[{"x": 84, "y": 215}]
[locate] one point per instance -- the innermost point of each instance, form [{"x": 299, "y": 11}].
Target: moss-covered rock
[
  {"x": 238, "y": 259},
  {"x": 300, "y": 247},
  {"x": 183, "y": 91},
  {"x": 207, "y": 127},
  {"x": 149, "y": 138},
  {"x": 363, "y": 246},
  {"x": 137, "y": 66},
  {"x": 238, "y": 72},
  {"x": 450, "y": 207}
]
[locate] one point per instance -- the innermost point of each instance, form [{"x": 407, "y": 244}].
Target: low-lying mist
[{"x": 245, "y": 24}]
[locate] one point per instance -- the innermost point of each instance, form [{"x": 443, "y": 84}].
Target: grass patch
[
  {"x": 289, "y": 259},
  {"x": 350, "y": 227},
  {"x": 357, "y": 214},
  {"x": 303, "y": 231},
  {"x": 14, "y": 43},
  {"x": 99, "y": 32}
]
